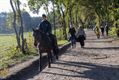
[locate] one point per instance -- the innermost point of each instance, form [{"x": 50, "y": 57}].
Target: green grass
[
  {"x": 61, "y": 42},
  {"x": 6, "y": 42},
  {"x": 9, "y": 54}
]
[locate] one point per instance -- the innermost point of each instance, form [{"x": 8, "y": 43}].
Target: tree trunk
[
  {"x": 81, "y": 21},
  {"x": 14, "y": 25},
  {"x": 117, "y": 29},
  {"x": 76, "y": 12},
  {"x": 64, "y": 25},
  {"x": 64, "y": 30},
  {"x": 70, "y": 15},
  {"x": 21, "y": 27},
  {"x": 54, "y": 17}
]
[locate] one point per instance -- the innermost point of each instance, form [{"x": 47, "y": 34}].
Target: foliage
[
  {"x": 10, "y": 55},
  {"x": 112, "y": 31},
  {"x": 62, "y": 42},
  {"x": 63, "y": 13},
  {"x": 80, "y": 12},
  {"x": 28, "y": 22}
]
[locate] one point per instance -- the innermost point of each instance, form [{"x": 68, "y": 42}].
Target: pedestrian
[
  {"x": 97, "y": 31},
  {"x": 81, "y": 36},
  {"x": 72, "y": 33},
  {"x": 107, "y": 29},
  {"x": 102, "y": 29}
]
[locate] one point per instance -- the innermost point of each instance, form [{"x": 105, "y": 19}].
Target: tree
[
  {"x": 3, "y": 26},
  {"x": 81, "y": 11},
  {"x": 21, "y": 28},
  {"x": 27, "y": 23},
  {"x": 14, "y": 25},
  {"x": 15, "y": 4}
]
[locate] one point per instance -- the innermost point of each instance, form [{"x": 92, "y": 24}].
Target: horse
[{"x": 45, "y": 45}]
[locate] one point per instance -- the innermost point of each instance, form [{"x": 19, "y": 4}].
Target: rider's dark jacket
[{"x": 45, "y": 26}]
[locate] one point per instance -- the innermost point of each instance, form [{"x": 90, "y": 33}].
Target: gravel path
[{"x": 99, "y": 60}]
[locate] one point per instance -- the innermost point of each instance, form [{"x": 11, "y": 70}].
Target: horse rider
[{"x": 45, "y": 26}]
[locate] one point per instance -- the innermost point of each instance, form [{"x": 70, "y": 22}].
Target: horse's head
[{"x": 37, "y": 36}]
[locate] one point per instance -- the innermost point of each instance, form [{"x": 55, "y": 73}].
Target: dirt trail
[{"x": 99, "y": 60}]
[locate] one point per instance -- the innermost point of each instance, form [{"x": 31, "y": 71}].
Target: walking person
[
  {"x": 107, "y": 29},
  {"x": 72, "y": 33},
  {"x": 97, "y": 31},
  {"x": 81, "y": 36},
  {"x": 102, "y": 29}
]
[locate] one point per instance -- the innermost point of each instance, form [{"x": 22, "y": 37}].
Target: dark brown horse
[{"x": 45, "y": 45}]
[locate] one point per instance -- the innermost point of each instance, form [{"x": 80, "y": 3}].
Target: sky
[{"x": 5, "y": 7}]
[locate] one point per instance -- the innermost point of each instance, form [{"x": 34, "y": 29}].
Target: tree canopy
[{"x": 83, "y": 12}]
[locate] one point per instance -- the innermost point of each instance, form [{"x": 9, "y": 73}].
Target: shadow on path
[
  {"x": 97, "y": 41},
  {"x": 93, "y": 71},
  {"x": 108, "y": 48},
  {"x": 30, "y": 71}
]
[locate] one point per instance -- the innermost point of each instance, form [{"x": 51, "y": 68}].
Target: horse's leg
[
  {"x": 56, "y": 50},
  {"x": 49, "y": 59},
  {"x": 40, "y": 61},
  {"x": 55, "y": 47},
  {"x": 52, "y": 56}
]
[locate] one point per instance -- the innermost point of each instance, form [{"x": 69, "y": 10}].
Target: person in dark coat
[
  {"x": 81, "y": 36},
  {"x": 102, "y": 29},
  {"x": 45, "y": 25},
  {"x": 72, "y": 30},
  {"x": 72, "y": 33}
]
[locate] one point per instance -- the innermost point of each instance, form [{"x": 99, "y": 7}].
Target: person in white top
[
  {"x": 107, "y": 29},
  {"x": 81, "y": 36}
]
